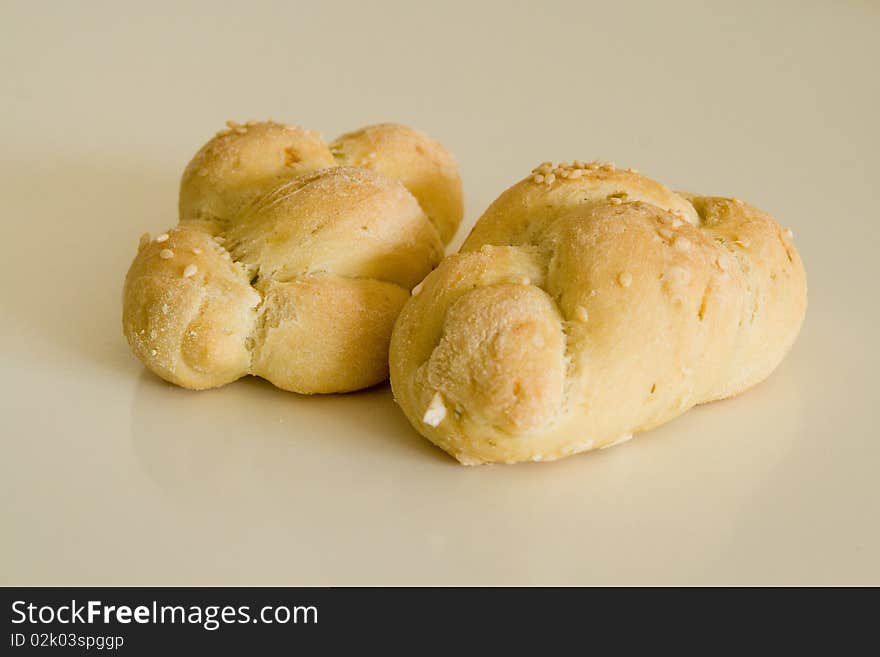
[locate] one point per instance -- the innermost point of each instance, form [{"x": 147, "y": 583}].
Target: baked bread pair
[
  {"x": 292, "y": 257},
  {"x": 588, "y": 303}
]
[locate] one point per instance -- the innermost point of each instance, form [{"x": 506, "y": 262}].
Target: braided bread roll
[
  {"x": 292, "y": 258},
  {"x": 587, "y": 304}
]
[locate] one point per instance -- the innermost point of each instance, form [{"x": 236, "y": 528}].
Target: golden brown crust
[
  {"x": 588, "y": 307},
  {"x": 285, "y": 265},
  {"x": 423, "y": 165}
]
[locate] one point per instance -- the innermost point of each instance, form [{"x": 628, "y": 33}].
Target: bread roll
[
  {"x": 590, "y": 303},
  {"x": 287, "y": 265}
]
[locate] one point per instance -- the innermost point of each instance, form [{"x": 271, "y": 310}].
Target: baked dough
[
  {"x": 590, "y": 303},
  {"x": 292, "y": 258}
]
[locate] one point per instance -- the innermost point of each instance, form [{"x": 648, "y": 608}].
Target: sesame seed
[
  {"x": 538, "y": 178},
  {"x": 550, "y": 178},
  {"x": 678, "y": 275},
  {"x": 582, "y": 314},
  {"x": 722, "y": 263},
  {"x": 789, "y": 233},
  {"x": 525, "y": 280},
  {"x": 665, "y": 233},
  {"x": 189, "y": 271},
  {"x": 435, "y": 412},
  {"x": 197, "y": 250},
  {"x": 681, "y": 244},
  {"x": 166, "y": 254},
  {"x": 615, "y": 200},
  {"x": 219, "y": 239},
  {"x": 537, "y": 458},
  {"x": 418, "y": 288},
  {"x": 744, "y": 243},
  {"x": 165, "y": 310},
  {"x": 161, "y": 238},
  {"x": 153, "y": 334},
  {"x": 625, "y": 279},
  {"x": 153, "y": 352},
  {"x": 232, "y": 124},
  {"x": 143, "y": 241},
  {"x": 676, "y": 222},
  {"x": 242, "y": 130}
]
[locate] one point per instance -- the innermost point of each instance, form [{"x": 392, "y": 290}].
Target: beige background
[{"x": 110, "y": 476}]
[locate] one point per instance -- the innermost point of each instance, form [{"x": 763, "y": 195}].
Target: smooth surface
[{"x": 110, "y": 476}]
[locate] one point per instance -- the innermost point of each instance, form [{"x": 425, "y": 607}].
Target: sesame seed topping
[
  {"x": 241, "y": 130},
  {"x": 681, "y": 244},
  {"x": 538, "y": 178},
  {"x": 153, "y": 334},
  {"x": 189, "y": 271},
  {"x": 665, "y": 233},
  {"x": 721, "y": 262},
  {"x": 625, "y": 279},
  {"x": 153, "y": 352},
  {"x": 678, "y": 275},
  {"x": 165, "y": 310},
  {"x": 418, "y": 288},
  {"x": 232, "y": 124},
  {"x": 744, "y": 243},
  {"x": 219, "y": 239},
  {"x": 581, "y": 314},
  {"x": 615, "y": 200},
  {"x": 789, "y": 233},
  {"x": 161, "y": 238},
  {"x": 143, "y": 241},
  {"x": 166, "y": 254},
  {"x": 197, "y": 250},
  {"x": 537, "y": 458},
  {"x": 676, "y": 222},
  {"x": 550, "y": 178},
  {"x": 435, "y": 412}
]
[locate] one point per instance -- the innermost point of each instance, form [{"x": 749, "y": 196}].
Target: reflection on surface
[
  {"x": 328, "y": 485},
  {"x": 250, "y": 433}
]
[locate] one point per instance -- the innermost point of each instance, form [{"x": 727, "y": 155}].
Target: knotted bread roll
[
  {"x": 587, "y": 304},
  {"x": 292, "y": 258}
]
